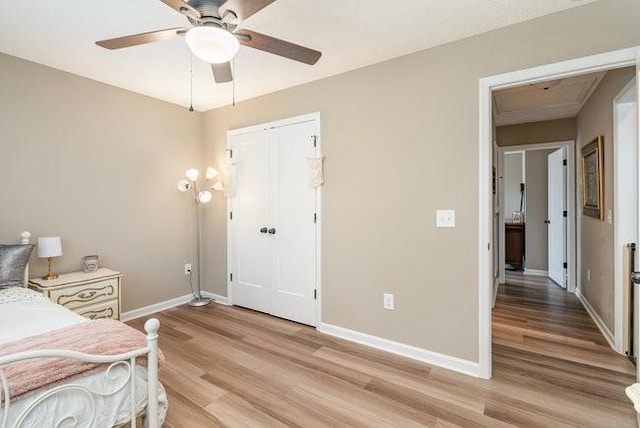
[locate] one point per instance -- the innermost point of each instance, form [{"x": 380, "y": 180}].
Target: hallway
[{"x": 544, "y": 339}]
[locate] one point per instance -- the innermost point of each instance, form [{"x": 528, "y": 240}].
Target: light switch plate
[
  {"x": 445, "y": 218},
  {"x": 388, "y": 301}
]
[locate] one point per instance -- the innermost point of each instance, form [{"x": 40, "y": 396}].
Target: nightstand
[{"x": 92, "y": 295}]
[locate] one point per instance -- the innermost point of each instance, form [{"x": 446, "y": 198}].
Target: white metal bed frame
[{"x": 127, "y": 360}]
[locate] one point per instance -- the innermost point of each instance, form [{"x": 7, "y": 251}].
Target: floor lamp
[{"x": 189, "y": 182}]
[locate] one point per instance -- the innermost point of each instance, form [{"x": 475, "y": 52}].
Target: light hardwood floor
[{"x": 233, "y": 367}]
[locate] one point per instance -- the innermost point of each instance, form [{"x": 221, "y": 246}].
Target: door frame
[
  {"x": 605, "y": 61},
  {"x": 570, "y": 202},
  {"x": 618, "y": 218},
  {"x": 310, "y": 117}
]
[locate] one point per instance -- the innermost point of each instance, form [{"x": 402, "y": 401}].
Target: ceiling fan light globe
[{"x": 212, "y": 44}]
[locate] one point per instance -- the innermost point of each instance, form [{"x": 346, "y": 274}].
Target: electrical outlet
[
  {"x": 187, "y": 268},
  {"x": 387, "y": 301}
]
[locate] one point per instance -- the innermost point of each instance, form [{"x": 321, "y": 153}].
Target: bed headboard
[{"x": 24, "y": 239}]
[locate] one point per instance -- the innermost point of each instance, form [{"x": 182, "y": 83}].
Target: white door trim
[
  {"x": 570, "y": 203},
  {"x": 605, "y": 61},
  {"x": 311, "y": 117},
  {"x": 620, "y": 228}
]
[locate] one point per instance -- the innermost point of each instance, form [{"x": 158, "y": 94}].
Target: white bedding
[{"x": 25, "y": 313}]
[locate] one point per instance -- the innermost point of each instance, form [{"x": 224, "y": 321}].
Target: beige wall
[
  {"x": 536, "y": 247},
  {"x": 98, "y": 166},
  {"x": 401, "y": 140},
  {"x": 596, "y": 236},
  {"x": 547, "y": 131}
]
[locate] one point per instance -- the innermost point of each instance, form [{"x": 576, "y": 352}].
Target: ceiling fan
[{"x": 214, "y": 37}]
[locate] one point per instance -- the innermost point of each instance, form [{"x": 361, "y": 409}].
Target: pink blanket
[{"x": 99, "y": 337}]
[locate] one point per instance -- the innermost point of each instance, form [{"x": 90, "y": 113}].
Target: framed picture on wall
[{"x": 592, "y": 183}]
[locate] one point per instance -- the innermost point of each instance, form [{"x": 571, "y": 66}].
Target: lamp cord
[{"x": 193, "y": 293}]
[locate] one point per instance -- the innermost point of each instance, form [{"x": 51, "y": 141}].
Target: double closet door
[{"x": 273, "y": 222}]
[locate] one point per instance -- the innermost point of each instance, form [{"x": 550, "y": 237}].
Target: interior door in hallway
[
  {"x": 273, "y": 242},
  {"x": 555, "y": 218}
]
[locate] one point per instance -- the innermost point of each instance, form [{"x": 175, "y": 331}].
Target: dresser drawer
[
  {"x": 107, "y": 309},
  {"x": 81, "y": 295}
]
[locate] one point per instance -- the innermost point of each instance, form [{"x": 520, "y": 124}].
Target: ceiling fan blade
[
  {"x": 277, "y": 46},
  {"x": 142, "y": 38},
  {"x": 244, "y": 8},
  {"x": 182, "y": 7},
  {"x": 222, "y": 72}
]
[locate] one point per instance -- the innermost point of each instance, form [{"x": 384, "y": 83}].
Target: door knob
[
  {"x": 635, "y": 277},
  {"x": 263, "y": 230},
  {"x": 272, "y": 231}
]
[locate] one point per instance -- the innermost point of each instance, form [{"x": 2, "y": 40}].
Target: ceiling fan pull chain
[{"x": 191, "y": 83}]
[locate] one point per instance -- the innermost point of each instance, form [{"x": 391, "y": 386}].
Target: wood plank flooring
[{"x": 232, "y": 367}]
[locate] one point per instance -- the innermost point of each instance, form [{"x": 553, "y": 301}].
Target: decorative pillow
[{"x": 13, "y": 262}]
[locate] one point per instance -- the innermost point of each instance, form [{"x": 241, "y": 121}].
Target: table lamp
[{"x": 48, "y": 248}]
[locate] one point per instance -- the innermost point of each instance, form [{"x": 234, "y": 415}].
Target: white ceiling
[
  {"x": 350, "y": 33},
  {"x": 556, "y": 99}
]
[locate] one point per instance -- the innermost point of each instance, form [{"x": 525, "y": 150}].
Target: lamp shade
[
  {"x": 192, "y": 174},
  {"x": 184, "y": 185},
  {"x": 205, "y": 196},
  {"x": 211, "y": 173},
  {"x": 49, "y": 247},
  {"x": 212, "y": 44}
]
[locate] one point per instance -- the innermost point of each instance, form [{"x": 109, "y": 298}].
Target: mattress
[{"x": 25, "y": 313}]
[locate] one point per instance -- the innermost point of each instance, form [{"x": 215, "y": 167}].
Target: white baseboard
[
  {"x": 434, "y": 358},
  {"x": 536, "y": 272},
  {"x": 596, "y": 319},
  {"x": 167, "y": 304}
]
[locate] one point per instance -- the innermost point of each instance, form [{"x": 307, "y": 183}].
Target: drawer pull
[
  {"x": 87, "y": 294},
  {"x": 104, "y": 313}
]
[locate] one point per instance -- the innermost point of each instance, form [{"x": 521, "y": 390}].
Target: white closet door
[
  {"x": 293, "y": 204},
  {"x": 251, "y": 261},
  {"x": 274, "y": 271}
]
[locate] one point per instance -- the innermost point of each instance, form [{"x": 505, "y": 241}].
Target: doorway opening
[
  {"x": 625, "y": 129},
  {"x": 488, "y": 272},
  {"x": 536, "y": 227}
]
